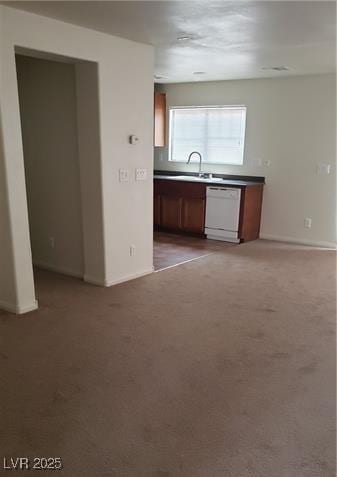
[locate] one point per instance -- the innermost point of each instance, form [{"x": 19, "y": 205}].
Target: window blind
[{"x": 218, "y": 133}]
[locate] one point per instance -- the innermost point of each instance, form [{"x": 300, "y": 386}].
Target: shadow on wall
[
  {"x": 7, "y": 281},
  {"x": 58, "y": 100}
]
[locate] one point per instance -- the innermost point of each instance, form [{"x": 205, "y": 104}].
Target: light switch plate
[
  {"x": 323, "y": 169},
  {"x": 307, "y": 223},
  {"x": 141, "y": 174},
  {"x": 124, "y": 175}
]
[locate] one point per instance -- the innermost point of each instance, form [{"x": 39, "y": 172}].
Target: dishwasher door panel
[{"x": 223, "y": 209}]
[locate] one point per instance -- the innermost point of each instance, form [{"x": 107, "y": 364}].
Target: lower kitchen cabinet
[
  {"x": 170, "y": 212},
  {"x": 250, "y": 213},
  {"x": 180, "y": 214},
  {"x": 180, "y": 207},
  {"x": 156, "y": 210},
  {"x": 193, "y": 215}
]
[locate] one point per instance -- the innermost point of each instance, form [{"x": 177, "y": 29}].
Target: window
[{"x": 218, "y": 133}]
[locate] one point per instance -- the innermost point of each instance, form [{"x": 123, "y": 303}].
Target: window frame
[{"x": 226, "y": 106}]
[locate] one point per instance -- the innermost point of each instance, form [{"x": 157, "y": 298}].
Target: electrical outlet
[
  {"x": 124, "y": 175},
  {"x": 132, "y": 250},
  {"x": 133, "y": 139},
  {"x": 52, "y": 242},
  {"x": 307, "y": 223},
  {"x": 266, "y": 162},
  {"x": 141, "y": 174}
]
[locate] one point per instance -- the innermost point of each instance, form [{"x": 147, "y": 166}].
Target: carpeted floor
[{"x": 223, "y": 366}]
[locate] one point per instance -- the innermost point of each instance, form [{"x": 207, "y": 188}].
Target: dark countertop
[{"x": 217, "y": 179}]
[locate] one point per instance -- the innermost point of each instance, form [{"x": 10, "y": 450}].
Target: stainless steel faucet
[{"x": 200, "y": 160}]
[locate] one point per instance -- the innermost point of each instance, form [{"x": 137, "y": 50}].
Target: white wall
[
  {"x": 125, "y": 93},
  {"x": 7, "y": 281},
  {"x": 88, "y": 119},
  {"x": 50, "y": 143},
  {"x": 291, "y": 122}
]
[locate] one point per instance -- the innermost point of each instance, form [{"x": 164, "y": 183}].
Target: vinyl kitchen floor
[{"x": 170, "y": 250}]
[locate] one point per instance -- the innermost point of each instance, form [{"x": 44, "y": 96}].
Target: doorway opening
[{"x": 54, "y": 103}]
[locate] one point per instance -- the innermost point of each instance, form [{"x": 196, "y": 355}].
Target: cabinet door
[
  {"x": 250, "y": 216},
  {"x": 156, "y": 210},
  {"x": 170, "y": 212},
  {"x": 193, "y": 215},
  {"x": 159, "y": 119}
]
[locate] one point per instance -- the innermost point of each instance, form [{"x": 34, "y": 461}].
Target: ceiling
[{"x": 226, "y": 39}]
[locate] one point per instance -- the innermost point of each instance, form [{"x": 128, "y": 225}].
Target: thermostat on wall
[{"x": 133, "y": 139}]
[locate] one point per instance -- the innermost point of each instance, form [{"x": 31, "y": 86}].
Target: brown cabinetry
[
  {"x": 250, "y": 212},
  {"x": 156, "y": 210},
  {"x": 159, "y": 119},
  {"x": 180, "y": 207},
  {"x": 170, "y": 212},
  {"x": 193, "y": 215}
]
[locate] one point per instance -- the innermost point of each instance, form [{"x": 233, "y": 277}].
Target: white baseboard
[
  {"x": 101, "y": 282},
  {"x": 57, "y": 269},
  {"x": 310, "y": 243},
  {"x": 108, "y": 283},
  {"x": 127, "y": 278},
  {"x": 18, "y": 309}
]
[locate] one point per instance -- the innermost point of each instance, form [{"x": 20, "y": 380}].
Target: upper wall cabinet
[{"x": 159, "y": 119}]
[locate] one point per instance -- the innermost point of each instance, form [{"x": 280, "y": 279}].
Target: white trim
[
  {"x": 222, "y": 235},
  {"x": 108, "y": 283},
  {"x": 53, "y": 268},
  {"x": 310, "y": 243},
  {"x": 17, "y": 309},
  {"x": 220, "y": 238},
  {"x": 101, "y": 282}
]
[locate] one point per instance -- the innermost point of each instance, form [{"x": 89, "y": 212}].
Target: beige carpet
[{"x": 224, "y": 366}]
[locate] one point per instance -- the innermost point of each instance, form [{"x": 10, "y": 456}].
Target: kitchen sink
[
  {"x": 213, "y": 180},
  {"x": 187, "y": 177},
  {"x": 196, "y": 178}
]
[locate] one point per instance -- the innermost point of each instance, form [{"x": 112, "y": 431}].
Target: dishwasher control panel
[{"x": 223, "y": 192}]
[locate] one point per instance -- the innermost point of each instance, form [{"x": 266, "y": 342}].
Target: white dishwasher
[{"x": 222, "y": 214}]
